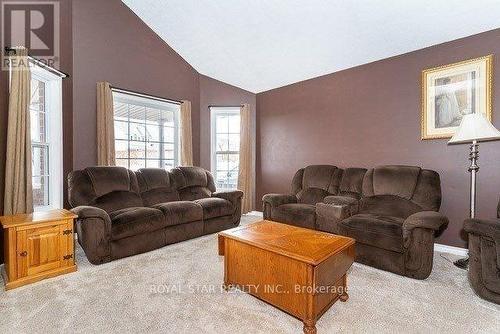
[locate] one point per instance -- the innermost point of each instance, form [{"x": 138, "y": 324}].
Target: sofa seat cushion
[
  {"x": 133, "y": 221},
  {"x": 375, "y": 230},
  {"x": 215, "y": 207},
  {"x": 180, "y": 212},
  {"x": 302, "y": 215}
]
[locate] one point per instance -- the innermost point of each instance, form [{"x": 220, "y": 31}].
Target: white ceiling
[{"x": 263, "y": 44}]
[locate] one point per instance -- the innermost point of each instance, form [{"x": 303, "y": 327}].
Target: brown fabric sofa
[
  {"x": 391, "y": 211},
  {"x": 122, "y": 213},
  {"x": 484, "y": 256}
]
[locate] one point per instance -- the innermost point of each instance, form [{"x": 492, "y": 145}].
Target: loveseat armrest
[
  {"x": 430, "y": 220},
  {"x": 233, "y": 196},
  {"x": 344, "y": 201},
  {"x": 483, "y": 227},
  {"x": 270, "y": 201},
  {"x": 333, "y": 211},
  {"x": 93, "y": 228},
  {"x": 276, "y": 200}
]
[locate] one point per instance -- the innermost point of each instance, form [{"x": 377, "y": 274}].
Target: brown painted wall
[
  {"x": 112, "y": 44},
  {"x": 370, "y": 115},
  {"x": 67, "y": 102},
  {"x": 214, "y": 92}
]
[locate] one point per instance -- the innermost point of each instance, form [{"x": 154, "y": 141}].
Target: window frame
[
  {"x": 54, "y": 136},
  {"x": 146, "y": 101},
  {"x": 214, "y": 112}
]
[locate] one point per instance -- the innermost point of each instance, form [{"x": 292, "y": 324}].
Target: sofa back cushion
[
  {"x": 400, "y": 191},
  {"x": 313, "y": 183},
  {"x": 351, "y": 184},
  {"x": 156, "y": 185},
  {"x": 193, "y": 183},
  {"x": 108, "y": 188}
]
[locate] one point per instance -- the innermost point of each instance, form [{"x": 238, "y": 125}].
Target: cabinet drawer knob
[{"x": 23, "y": 253}]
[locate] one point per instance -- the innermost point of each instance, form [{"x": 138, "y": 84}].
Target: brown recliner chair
[
  {"x": 395, "y": 221},
  {"x": 484, "y": 256},
  {"x": 122, "y": 213}
]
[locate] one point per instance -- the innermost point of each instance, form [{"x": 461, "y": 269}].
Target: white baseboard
[
  {"x": 437, "y": 247},
  {"x": 256, "y": 213},
  {"x": 450, "y": 249}
]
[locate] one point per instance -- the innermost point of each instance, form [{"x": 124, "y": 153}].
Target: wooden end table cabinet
[
  {"x": 300, "y": 271},
  {"x": 37, "y": 246}
]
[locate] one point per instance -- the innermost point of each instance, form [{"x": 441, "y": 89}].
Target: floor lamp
[{"x": 473, "y": 129}]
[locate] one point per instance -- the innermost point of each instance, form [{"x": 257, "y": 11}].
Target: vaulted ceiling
[{"x": 263, "y": 44}]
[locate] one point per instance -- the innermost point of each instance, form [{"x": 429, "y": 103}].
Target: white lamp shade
[{"x": 474, "y": 127}]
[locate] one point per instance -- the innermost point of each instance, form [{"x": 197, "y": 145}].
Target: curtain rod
[
  {"x": 41, "y": 63},
  {"x": 149, "y": 96}
]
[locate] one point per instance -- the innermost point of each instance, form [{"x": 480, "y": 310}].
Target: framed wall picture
[{"x": 449, "y": 92}]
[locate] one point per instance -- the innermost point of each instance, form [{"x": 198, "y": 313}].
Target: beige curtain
[
  {"x": 186, "y": 134},
  {"x": 18, "y": 179},
  {"x": 245, "y": 174},
  {"x": 105, "y": 125}
]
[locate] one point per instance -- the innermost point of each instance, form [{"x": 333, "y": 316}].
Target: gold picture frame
[{"x": 451, "y": 91}]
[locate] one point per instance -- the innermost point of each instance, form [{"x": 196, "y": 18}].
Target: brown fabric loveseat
[
  {"x": 484, "y": 256},
  {"x": 122, "y": 213},
  {"x": 391, "y": 211},
  {"x": 311, "y": 185}
]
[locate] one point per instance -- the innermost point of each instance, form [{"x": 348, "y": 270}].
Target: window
[
  {"x": 225, "y": 124},
  {"x": 146, "y": 132},
  {"x": 46, "y": 139}
]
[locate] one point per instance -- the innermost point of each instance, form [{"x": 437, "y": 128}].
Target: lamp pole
[
  {"x": 474, "y": 127},
  {"x": 473, "y": 169}
]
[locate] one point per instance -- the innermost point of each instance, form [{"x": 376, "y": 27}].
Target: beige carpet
[{"x": 176, "y": 289}]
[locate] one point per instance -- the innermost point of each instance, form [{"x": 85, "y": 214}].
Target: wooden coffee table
[{"x": 300, "y": 271}]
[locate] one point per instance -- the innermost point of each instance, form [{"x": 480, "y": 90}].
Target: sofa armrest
[
  {"x": 85, "y": 212},
  {"x": 345, "y": 201},
  {"x": 483, "y": 227},
  {"x": 430, "y": 220},
  {"x": 232, "y": 196},
  {"x": 334, "y": 210},
  {"x": 93, "y": 228},
  {"x": 276, "y": 200}
]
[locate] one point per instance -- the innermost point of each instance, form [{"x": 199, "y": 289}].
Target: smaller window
[
  {"x": 46, "y": 139},
  {"x": 225, "y": 152}
]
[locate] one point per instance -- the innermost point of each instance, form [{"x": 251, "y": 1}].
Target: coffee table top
[{"x": 302, "y": 244}]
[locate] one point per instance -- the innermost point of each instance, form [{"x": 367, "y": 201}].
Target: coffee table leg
[
  {"x": 226, "y": 285},
  {"x": 221, "y": 245},
  {"x": 344, "y": 296},
  {"x": 309, "y": 327},
  {"x": 222, "y": 251}
]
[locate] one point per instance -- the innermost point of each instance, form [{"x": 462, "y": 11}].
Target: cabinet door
[{"x": 38, "y": 249}]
